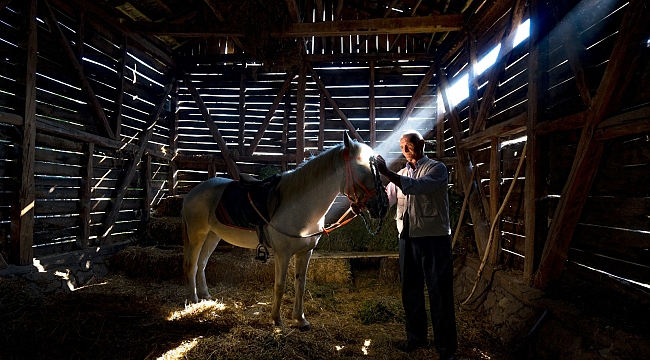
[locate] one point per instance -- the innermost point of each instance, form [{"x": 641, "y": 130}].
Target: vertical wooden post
[
  {"x": 212, "y": 170},
  {"x": 440, "y": 126},
  {"x": 242, "y": 110},
  {"x": 86, "y": 195},
  {"x": 321, "y": 123},
  {"x": 495, "y": 196},
  {"x": 371, "y": 96},
  {"x": 285, "y": 127},
  {"x": 146, "y": 188},
  {"x": 22, "y": 220},
  {"x": 300, "y": 114},
  {"x": 172, "y": 119},
  {"x": 535, "y": 189},
  {"x": 472, "y": 82},
  {"x": 121, "y": 72}
]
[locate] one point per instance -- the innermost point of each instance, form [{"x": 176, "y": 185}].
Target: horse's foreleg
[
  {"x": 301, "y": 264},
  {"x": 208, "y": 247},
  {"x": 281, "y": 266}
]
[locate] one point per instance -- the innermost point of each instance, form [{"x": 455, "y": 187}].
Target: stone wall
[{"x": 538, "y": 327}]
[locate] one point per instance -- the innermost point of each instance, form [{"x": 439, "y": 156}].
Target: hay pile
[
  {"x": 163, "y": 231},
  {"x": 135, "y": 319},
  {"x": 170, "y": 206}
]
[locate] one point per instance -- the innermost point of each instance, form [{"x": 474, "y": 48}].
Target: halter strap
[{"x": 350, "y": 177}]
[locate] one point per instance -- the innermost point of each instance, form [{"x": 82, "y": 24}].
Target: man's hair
[{"x": 413, "y": 135}]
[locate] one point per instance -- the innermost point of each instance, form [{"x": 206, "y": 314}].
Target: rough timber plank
[{"x": 22, "y": 219}]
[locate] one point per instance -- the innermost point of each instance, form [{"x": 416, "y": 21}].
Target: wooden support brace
[
  {"x": 495, "y": 197},
  {"x": 145, "y": 136},
  {"x": 632, "y": 38},
  {"x": 496, "y": 70},
  {"x": 86, "y": 195},
  {"x": 233, "y": 170},
  {"x": 146, "y": 188},
  {"x": 335, "y": 106},
  {"x": 321, "y": 123},
  {"x": 67, "y": 48},
  {"x": 270, "y": 113},
  {"x": 421, "y": 89},
  {"x": 300, "y": 114},
  {"x": 121, "y": 72}
]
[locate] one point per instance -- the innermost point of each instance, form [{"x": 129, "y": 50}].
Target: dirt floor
[{"x": 118, "y": 317}]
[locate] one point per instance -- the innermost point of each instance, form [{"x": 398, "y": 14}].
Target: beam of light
[
  {"x": 459, "y": 91},
  {"x": 647, "y": 286},
  {"x": 366, "y": 345},
  {"x": 181, "y": 350}
]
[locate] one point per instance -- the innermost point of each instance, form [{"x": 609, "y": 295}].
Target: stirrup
[{"x": 262, "y": 253}]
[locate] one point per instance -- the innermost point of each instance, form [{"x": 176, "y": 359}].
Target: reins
[{"x": 350, "y": 176}]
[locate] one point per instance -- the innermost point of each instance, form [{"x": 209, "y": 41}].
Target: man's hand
[{"x": 381, "y": 165}]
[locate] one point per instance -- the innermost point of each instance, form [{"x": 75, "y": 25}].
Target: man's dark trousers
[{"x": 428, "y": 260}]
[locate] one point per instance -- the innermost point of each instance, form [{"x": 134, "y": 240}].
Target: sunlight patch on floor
[
  {"x": 192, "y": 310},
  {"x": 181, "y": 350}
]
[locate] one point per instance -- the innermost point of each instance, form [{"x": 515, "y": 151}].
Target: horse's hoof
[{"x": 304, "y": 327}]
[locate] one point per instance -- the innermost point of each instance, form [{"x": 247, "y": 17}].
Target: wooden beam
[
  {"x": 321, "y": 122},
  {"x": 335, "y": 106},
  {"x": 631, "y": 40},
  {"x": 497, "y": 69},
  {"x": 407, "y": 25},
  {"x": 472, "y": 81},
  {"x": 233, "y": 170},
  {"x": 98, "y": 14},
  {"x": 294, "y": 10},
  {"x": 81, "y": 35},
  {"x": 145, "y": 136},
  {"x": 481, "y": 231},
  {"x": 214, "y": 6},
  {"x": 100, "y": 116},
  {"x": 372, "y": 126},
  {"x": 121, "y": 72},
  {"x": 421, "y": 89},
  {"x": 495, "y": 197},
  {"x": 300, "y": 113},
  {"x": 24, "y": 196},
  {"x": 85, "y": 196},
  {"x": 565, "y": 123},
  {"x": 9, "y": 118},
  {"x": 635, "y": 122},
  {"x": 440, "y": 126},
  {"x": 269, "y": 114},
  {"x": 172, "y": 120},
  {"x": 502, "y": 129},
  {"x": 535, "y": 187},
  {"x": 285, "y": 131},
  {"x": 242, "y": 111},
  {"x": 146, "y": 188}
]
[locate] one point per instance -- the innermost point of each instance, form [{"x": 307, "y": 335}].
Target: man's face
[{"x": 411, "y": 149}]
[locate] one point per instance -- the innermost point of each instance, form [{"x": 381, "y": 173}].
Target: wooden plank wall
[
  {"x": 127, "y": 83},
  {"x": 613, "y": 232},
  {"x": 348, "y": 85}
]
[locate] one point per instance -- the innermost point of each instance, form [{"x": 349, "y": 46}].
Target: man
[{"x": 420, "y": 190}]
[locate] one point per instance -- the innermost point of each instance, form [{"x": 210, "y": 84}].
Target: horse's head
[{"x": 362, "y": 184}]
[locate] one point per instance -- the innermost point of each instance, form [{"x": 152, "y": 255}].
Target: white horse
[{"x": 305, "y": 195}]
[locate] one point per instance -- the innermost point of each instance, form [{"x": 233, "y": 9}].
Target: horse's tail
[{"x": 186, "y": 247}]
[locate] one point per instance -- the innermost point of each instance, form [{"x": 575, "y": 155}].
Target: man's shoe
[{"x": 410, "y": 345}]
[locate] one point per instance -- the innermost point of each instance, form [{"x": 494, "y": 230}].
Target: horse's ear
[{"x": 347, "y": 141}]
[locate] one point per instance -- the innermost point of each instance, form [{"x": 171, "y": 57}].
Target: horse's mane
[{"x": 312, "y": 172}]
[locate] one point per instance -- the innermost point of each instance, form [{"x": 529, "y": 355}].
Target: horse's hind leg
[
  {"x": 301, "y": 264},
  {"x": 281, "y": 266},
  {"x": 209, "y": 245},
  {"x": 193, "y": 243}
]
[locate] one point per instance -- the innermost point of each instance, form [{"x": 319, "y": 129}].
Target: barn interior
[{"x": 113, "y": 109}]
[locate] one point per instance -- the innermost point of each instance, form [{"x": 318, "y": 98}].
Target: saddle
[{"x": 235, "y": 209}]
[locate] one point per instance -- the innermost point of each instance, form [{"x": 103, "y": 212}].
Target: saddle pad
[{"x": 234, "y": 208}]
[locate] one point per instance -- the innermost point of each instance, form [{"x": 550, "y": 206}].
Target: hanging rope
[
  {"x": 468, "y": 187},
  {"x": 493, "y": 226}
]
